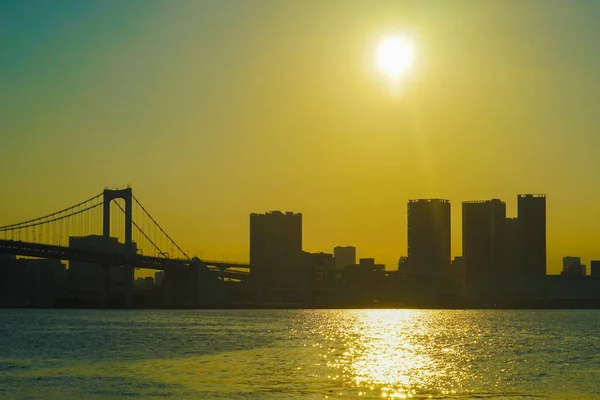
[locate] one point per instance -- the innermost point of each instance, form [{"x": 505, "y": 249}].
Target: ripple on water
[{"x": 58, "y": 354}]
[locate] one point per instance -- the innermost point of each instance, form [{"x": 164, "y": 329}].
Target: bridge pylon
[{"x": 127, "y": 196}]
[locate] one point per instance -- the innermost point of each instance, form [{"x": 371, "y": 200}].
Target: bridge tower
[{"x": 127, "y": 196}]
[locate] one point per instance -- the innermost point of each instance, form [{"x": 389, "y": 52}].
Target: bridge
[{"x": 127, "y": 236}]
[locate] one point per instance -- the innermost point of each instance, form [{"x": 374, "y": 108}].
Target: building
[
  {"x": 428, "y": 236},
  {"x": 7, "y": 259},
  {"x": 276, "y": 251},
  {"x": 532, "y": 226},
  {"x": 483, "y": 233},
  {"x": 276, "y": 240},
  {"x": 159, "y": 276},
  {"x": 512, "y": 260},
  {"x": 144, "y": 283},
  {"x": 572, "y": 267},
  {"x": 457, "y": 267},
  {"x": 402, "y": 262},
  {"x": 595, "y": 268},
  {"x": 368, "y": 264},
  {"x": 344, "y": 256},
  {"x": 320, "y": 269},
  {"x": 94, "y": 278},
  {"x": 30, "y": 282}
]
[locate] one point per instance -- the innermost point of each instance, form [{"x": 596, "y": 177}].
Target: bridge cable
[
  {"x": 14, "y": 227},
  {"x": 50, "y": 215},
  {"x": 159, "y": 227},
  {"x": 142, "y": 232}
]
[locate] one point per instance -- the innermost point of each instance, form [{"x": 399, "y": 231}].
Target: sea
[{"x": 299, "y": 354}]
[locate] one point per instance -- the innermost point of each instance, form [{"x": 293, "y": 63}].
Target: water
[{"x": 295, "y": 354}]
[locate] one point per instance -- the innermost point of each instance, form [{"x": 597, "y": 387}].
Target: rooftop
[
  {"x": 277, "y": 213},
  {"x": 428, "y": 201},
  {"x": 484, "y": 201},
  {"x": 531, "y": 195}
]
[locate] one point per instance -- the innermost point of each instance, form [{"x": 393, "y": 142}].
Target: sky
[{"x": 214, "y": 110}]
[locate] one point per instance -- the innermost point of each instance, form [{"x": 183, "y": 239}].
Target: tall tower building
[
  {"x": 276, "y": 246},
  {"x": 483, "y": 233},
  {"x": 595, "y": 268},
  {"x": 532, "y": 225},
  {"x": 512, "y": 260},
  {"x": 429, "y": 236}
]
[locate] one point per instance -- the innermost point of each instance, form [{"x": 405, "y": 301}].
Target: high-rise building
[
  {"x": 532, "y": 226},
  {"x": 276, "y": 247},
  {"x": 483, "y": 233},
  {"x": 512, "y": 242},
  {"x": 595, "y": 268},
  {"x": 428, "y": 236},
  {"x": 344, "y": 256}
]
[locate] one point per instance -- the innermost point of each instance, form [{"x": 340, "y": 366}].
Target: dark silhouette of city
[
  {"x": 299, "y": 199},
  {"x": 503, "y": 263}
]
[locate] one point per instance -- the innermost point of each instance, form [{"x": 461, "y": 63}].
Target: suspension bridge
[{"x": 123, "y": 233}]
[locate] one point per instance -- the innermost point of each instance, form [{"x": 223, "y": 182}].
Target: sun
[{"x": 395, "y": 56}]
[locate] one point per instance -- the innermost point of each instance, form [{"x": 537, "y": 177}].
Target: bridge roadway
[{"x": 26, "y": 249}]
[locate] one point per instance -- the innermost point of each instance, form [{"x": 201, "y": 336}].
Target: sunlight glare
[{"x": 394, "y": 56}]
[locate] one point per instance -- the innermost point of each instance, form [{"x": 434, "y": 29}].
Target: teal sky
[{"x": 215, "y": 109}]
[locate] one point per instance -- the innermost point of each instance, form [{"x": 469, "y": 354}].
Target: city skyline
[
  {"x": 213, "y": 112},
  {"x": 503, "y": 263},
  {"x": 299, "y": 199},
  {"x": 392, "y": 265},
  {"x": 430, "y": 237}
]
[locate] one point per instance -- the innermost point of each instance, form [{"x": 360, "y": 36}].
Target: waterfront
[{"x": 96, "y": 354}]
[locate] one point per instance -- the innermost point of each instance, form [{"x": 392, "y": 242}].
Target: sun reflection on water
[
  {"x": 398, "y": 353},
  {"x": 291, "y": 354}
]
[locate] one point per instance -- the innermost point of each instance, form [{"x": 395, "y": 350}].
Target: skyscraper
[
  {"x": 532, "y": 225},
  {"x": 595, "y": 268},
  {"x": 276, "y": 247},
  {"x": 428, "y": 236},
  {"x": 483, "y": 233},
  {"x": 512, "y": 242}
]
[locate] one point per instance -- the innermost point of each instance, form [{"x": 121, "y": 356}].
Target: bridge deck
[{"x": 26, "y": 249}]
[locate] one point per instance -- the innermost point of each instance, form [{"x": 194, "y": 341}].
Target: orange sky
[{"x": 214, "y": 110}]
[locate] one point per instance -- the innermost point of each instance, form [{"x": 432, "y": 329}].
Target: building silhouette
[
  {"x": 483, "y": 233},
  {"x": 402, "y": 262},
  {"x": 369, "y": 264},
  {"x": 28, "y": 282},
  {"x": 276, "y": 254},
  {"x": 532, "y": 226},
  {"x": 512, "y": 258},
  {"x": 572, "y": 266},
  {"x": 159, "y": 277},
  {"x": 319, "y": 274},
  {"x": 343, "y": 256},
  {"x": 428, "y": 236},
  {"x": 595, "y": 268},
  {"x": 90, "y": 280}
]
